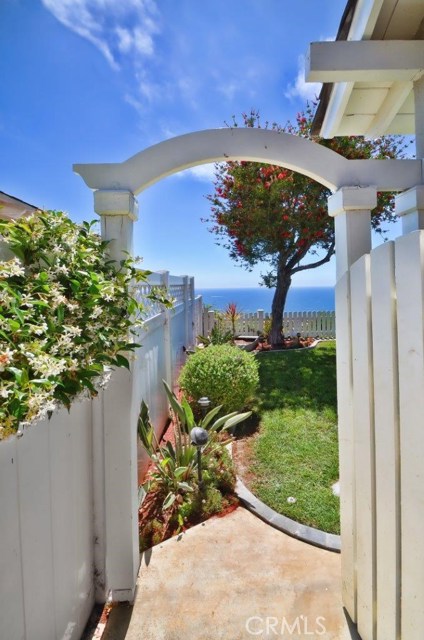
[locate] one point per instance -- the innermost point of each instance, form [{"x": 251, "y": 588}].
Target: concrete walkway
[{"x": 234, "y": 578}]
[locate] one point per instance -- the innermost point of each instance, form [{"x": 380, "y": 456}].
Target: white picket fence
[
  {"x": 380, "y": 354},
  {"x": 321, "y": 324},
  {"x": 69, "y": 491}
]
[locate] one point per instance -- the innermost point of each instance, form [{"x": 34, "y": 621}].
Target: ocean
[{"x": 254, "y": 298}]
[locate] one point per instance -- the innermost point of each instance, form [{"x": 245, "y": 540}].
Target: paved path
[{"x": 234, "y": 578}]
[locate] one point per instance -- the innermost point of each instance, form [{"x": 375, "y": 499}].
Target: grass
[{"x": 295, "y": 453}]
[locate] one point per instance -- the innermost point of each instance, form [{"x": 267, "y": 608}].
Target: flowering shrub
[
  {"x": 67, "y": 315},
  {"x": 263, "y": 213}
]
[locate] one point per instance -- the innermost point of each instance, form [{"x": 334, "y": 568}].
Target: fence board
[
  {"x": 321, "y": 324},
  {"x": 346, "y": 445},
  {"x": 12, "y": 620},
  {"x": 62, "y": 468},
  {"x": 79, "y": 421},
  {"x": 386, "y": 416},
  {"x": 364, "y": 452},
  {"x": 409, "y": 260},
  {"x": 37, "y": 562}
]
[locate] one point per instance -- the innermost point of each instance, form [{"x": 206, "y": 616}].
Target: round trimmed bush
[{"x": 225, "y": 374}]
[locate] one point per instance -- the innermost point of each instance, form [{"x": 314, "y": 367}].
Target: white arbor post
[
  {"x": 351, "y": 207},
  {"x": 410, "y": 207},
  {"x": 116, "y": 499}
]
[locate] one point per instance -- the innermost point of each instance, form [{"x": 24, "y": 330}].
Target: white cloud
[
  {"x": 124, "y": 39},
  {"x": 202, "y": 173},
  {"x": 229, "y": 89},
  {"x": 300, "y": 88},
  {"x": 115, "y": 27},
  {"x": 143, "y": 42}
]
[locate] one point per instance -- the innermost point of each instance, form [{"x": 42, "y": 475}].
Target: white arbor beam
[
  {"x": 365, "y": 61},
  {"x": 257, "y": 145},
  {"x": 395, "y": 98}
]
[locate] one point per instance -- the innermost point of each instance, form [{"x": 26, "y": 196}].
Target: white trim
[{"x": 365, "y": 61}]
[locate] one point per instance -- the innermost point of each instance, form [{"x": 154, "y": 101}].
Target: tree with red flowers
[{"x": 265, "y": 213}]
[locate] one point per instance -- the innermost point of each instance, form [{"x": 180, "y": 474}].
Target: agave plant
[{"x": 175, "y": 464}]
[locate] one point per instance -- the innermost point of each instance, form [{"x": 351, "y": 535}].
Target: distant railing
[
  {"x": 179, "y": 288},
  {"x": 321, "y": 324}
]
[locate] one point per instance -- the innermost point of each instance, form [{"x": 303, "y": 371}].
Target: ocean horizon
[{"x": 250, "y": 299}]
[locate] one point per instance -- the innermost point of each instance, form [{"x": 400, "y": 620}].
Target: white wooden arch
[
  {"x": 258, "y": 145},
  {"x": 355, "y": 183}
]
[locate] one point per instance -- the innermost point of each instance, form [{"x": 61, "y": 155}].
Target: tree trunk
[{"x": 277, "y": 309}]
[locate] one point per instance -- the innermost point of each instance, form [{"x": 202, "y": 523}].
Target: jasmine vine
[{"x": 67, "y": 315}]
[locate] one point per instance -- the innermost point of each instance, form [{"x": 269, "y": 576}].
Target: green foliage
[
  {"x": 219, "y": 332},
  {"x": 267, "y": 327},
  {"x": 67, "y": 315},
  {"x": 173, "y": 479},
  {"x": 226, "y": 375},
  {"x": 174, "y": 464},
  {"x": 232, "y": 314}
]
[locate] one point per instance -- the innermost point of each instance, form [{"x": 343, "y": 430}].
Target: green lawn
[{"x": 295, "y": 452}]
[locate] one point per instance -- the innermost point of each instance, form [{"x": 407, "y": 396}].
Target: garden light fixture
[
  {"x": 199, "y": 438},
  {"x": 204, "y": 403}
]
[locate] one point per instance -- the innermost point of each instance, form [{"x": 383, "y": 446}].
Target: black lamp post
[
  {"x": 199, "y": 438},
  {"x": 204, "y": 403}
]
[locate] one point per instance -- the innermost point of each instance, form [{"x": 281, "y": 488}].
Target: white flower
[
  {"x": 62, "y": 269},
  {"x": 48, "y": 366},
  {"x": 11, "y": 268},
  {"x": 73, "y": 331},
  {"x": 27, "y": 301},
  {"x": 96, "y": 312},
  {"x": 38, "y": 330}
]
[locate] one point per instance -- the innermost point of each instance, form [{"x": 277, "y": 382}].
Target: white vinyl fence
[
  {"x": 381, "y": 411},
  {"x": 320, "y": 324},
  {"x": 165, "y": 337},
  {"x": 68, "y": 488},
  {"x": 46, "y": 512}
]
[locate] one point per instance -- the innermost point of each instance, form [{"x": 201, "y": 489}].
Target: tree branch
[{"x": 313, "y": 265}]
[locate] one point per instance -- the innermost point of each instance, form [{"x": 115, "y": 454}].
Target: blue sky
[{"x": 100, "y": 80}]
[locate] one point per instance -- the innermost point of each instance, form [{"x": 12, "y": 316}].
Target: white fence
[
  {"x": 68, "y": 489},
  {"x": 380, "y": 356},
  {"x": 321, "y": 324},
  {"x": 165, "y": 337},
  {"x": 46, "y": 550}
]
